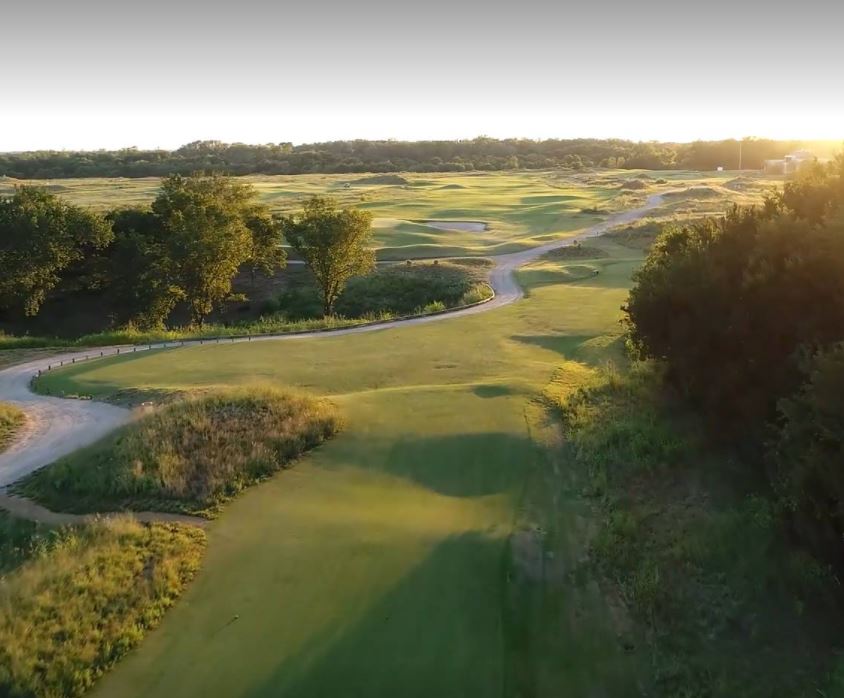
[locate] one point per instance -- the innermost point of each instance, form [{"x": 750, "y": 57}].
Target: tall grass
[
  {"x": 188, "y": 456},
  {"x": 83, "y": 601},
  {"x": 11, "y": 420}
]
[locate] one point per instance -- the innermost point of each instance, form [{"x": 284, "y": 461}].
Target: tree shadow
[
  {"x": 465, "y": 465},
  {"x": 437, "y": 633}
]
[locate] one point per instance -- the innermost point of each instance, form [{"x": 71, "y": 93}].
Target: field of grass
[
  {"x": 188, "y": 456},
  {"x": 11, "y": 420},
  {"x": 433, "y": 548},
  {"x": 521, "y": 209},
  {"x": 84, "y": 597}
]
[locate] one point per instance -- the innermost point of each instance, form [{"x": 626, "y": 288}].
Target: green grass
[
  {"x": 401, "y": 558},
  {"x": 11, "y": 420},
  {"x": 522, "y": 209},
  {"x": 189, "y": 456},
  {"x": 86, "y": 598},
  {"x": 722, "y": 605}
]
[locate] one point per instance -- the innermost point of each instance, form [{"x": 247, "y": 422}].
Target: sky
[{"x": 89, "y": 74}]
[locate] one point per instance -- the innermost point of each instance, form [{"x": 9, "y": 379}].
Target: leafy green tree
[
  {"x": 205, "y": 221},
  {"x": 267, "y": 253},
  {"x": 728, "y": 305},
  {"x": 40, "y": 237},
  {"x": 140, "y": 283},
  {"x": 335, "y": 243}
]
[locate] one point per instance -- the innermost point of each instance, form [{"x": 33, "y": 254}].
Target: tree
[
  {"x": 140, "y": 278},
  {"x": 267, "y": 253},
  {"x": 335, "y": 244},
  {"x": 40, "y": 237},
  {"x": 207, "y": 237},
  {"x": 808, "y": 454}
]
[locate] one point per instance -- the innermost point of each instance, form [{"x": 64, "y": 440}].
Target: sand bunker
[{"x": 462, "y": 226}]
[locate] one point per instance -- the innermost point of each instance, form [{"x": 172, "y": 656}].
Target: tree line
[
  {"x": 747, "y": 316},
  {"x": 399, "y": 156},
  {"x": 186, "y": 247}
]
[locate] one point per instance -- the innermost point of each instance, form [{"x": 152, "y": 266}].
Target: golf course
[{"x": 438, "y": 545}]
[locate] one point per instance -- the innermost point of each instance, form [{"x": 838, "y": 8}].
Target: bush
[
  {"x": 808, "y": 454},
  {"x": 11, "y": 420},
  {"x": 81, "y": 603},
  {"x": 188, "y": 456},
  {"x": 402, "y": 289}
]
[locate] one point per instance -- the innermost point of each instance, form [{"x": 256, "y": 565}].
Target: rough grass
[
  {"x": 18, "y": 540},
  {"x": 85, "y": 598},
  {"x": 407, "y": 288},
  {"x": 11, "y": 420},
  {"x": 723, "y": 606},
  {"x": 188, "y": 456}
]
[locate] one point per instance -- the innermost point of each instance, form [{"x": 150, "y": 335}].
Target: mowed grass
[
  {"x": 11, "y": 421},
  {"x": 521, "y": 209},
  {"x": 84, "y": 598},
  {"x": 189, "y": 456},
  {"x": 411, "y": 555}
]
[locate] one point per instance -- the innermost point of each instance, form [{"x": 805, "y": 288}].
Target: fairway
[
  {"x": 520, "y": 209},
  {"x": 433, "y": 548}
]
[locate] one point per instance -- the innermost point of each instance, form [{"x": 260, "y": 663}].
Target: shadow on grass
[
  {"x": 468, "y": 465},
  {"x": 437, "y": 633}
]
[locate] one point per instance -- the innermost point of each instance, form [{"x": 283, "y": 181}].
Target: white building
[{"x": 790, "y": 163}]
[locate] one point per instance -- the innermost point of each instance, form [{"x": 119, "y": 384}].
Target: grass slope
[
  {"x": 408, "y": 556},
  {"x": 85, "y": 598},
  {"x": 189, "y": 456},
  {"x": 11, "y": 420}
]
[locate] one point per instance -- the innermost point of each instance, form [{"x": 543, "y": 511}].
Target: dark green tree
[
  {"x": 205, "y": 221},
  {"x": 40, "y": 237},
  {"x": 335, "y": 243}
]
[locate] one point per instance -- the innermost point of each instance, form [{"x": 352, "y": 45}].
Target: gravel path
[{"x": 58, "y": 426}]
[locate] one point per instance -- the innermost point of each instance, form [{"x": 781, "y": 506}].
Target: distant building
[{"x": 790, "y": 163}]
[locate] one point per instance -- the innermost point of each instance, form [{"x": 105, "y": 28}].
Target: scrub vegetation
[
  {"x": 73, "y": 601},
  {"x": 188, "y": 456},
  {"x": 11, "y": 420}
]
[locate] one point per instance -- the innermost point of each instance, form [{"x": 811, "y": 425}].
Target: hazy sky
[{"x": 110, "y": 73}]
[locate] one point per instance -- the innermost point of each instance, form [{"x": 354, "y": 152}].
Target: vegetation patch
[
  {"x": 723, "y": 605},
  {"x": 575, "y": 251},
  {"x": 85, "y": 598},
  {"x": 188, "y": 456},
  {"x": 11, "y": 420},
  {"x": 19, "y": 539},
  {"x": 407, "y": 288}
]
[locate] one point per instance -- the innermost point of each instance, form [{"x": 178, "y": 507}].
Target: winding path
[{"x": 59, "y": 426}]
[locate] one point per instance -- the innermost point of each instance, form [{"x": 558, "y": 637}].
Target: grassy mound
[
  {"x": 576, "y": 251},
  {"x": 85, "y": 598},
  {"x": 11, "y": 419},
  {"x": 188, "y": 456},
  {"x": 392, "y": 179},
  {"x": 408, "y": 288}
]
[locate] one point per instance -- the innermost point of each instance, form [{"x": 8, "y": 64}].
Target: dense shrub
[
  {"x": 733, "y": 308},
  {"x": 83, "y": 601},
  {"x": 189, "y": 455},
  {"x": 11, "y": 419},
  {"x": 808, "y": 453},
  {"x": 729, "y": 304},
  {"x": 403, "y": 289}
]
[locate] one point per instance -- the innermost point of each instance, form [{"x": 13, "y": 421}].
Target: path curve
[{"x": 59, "y": 426}]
